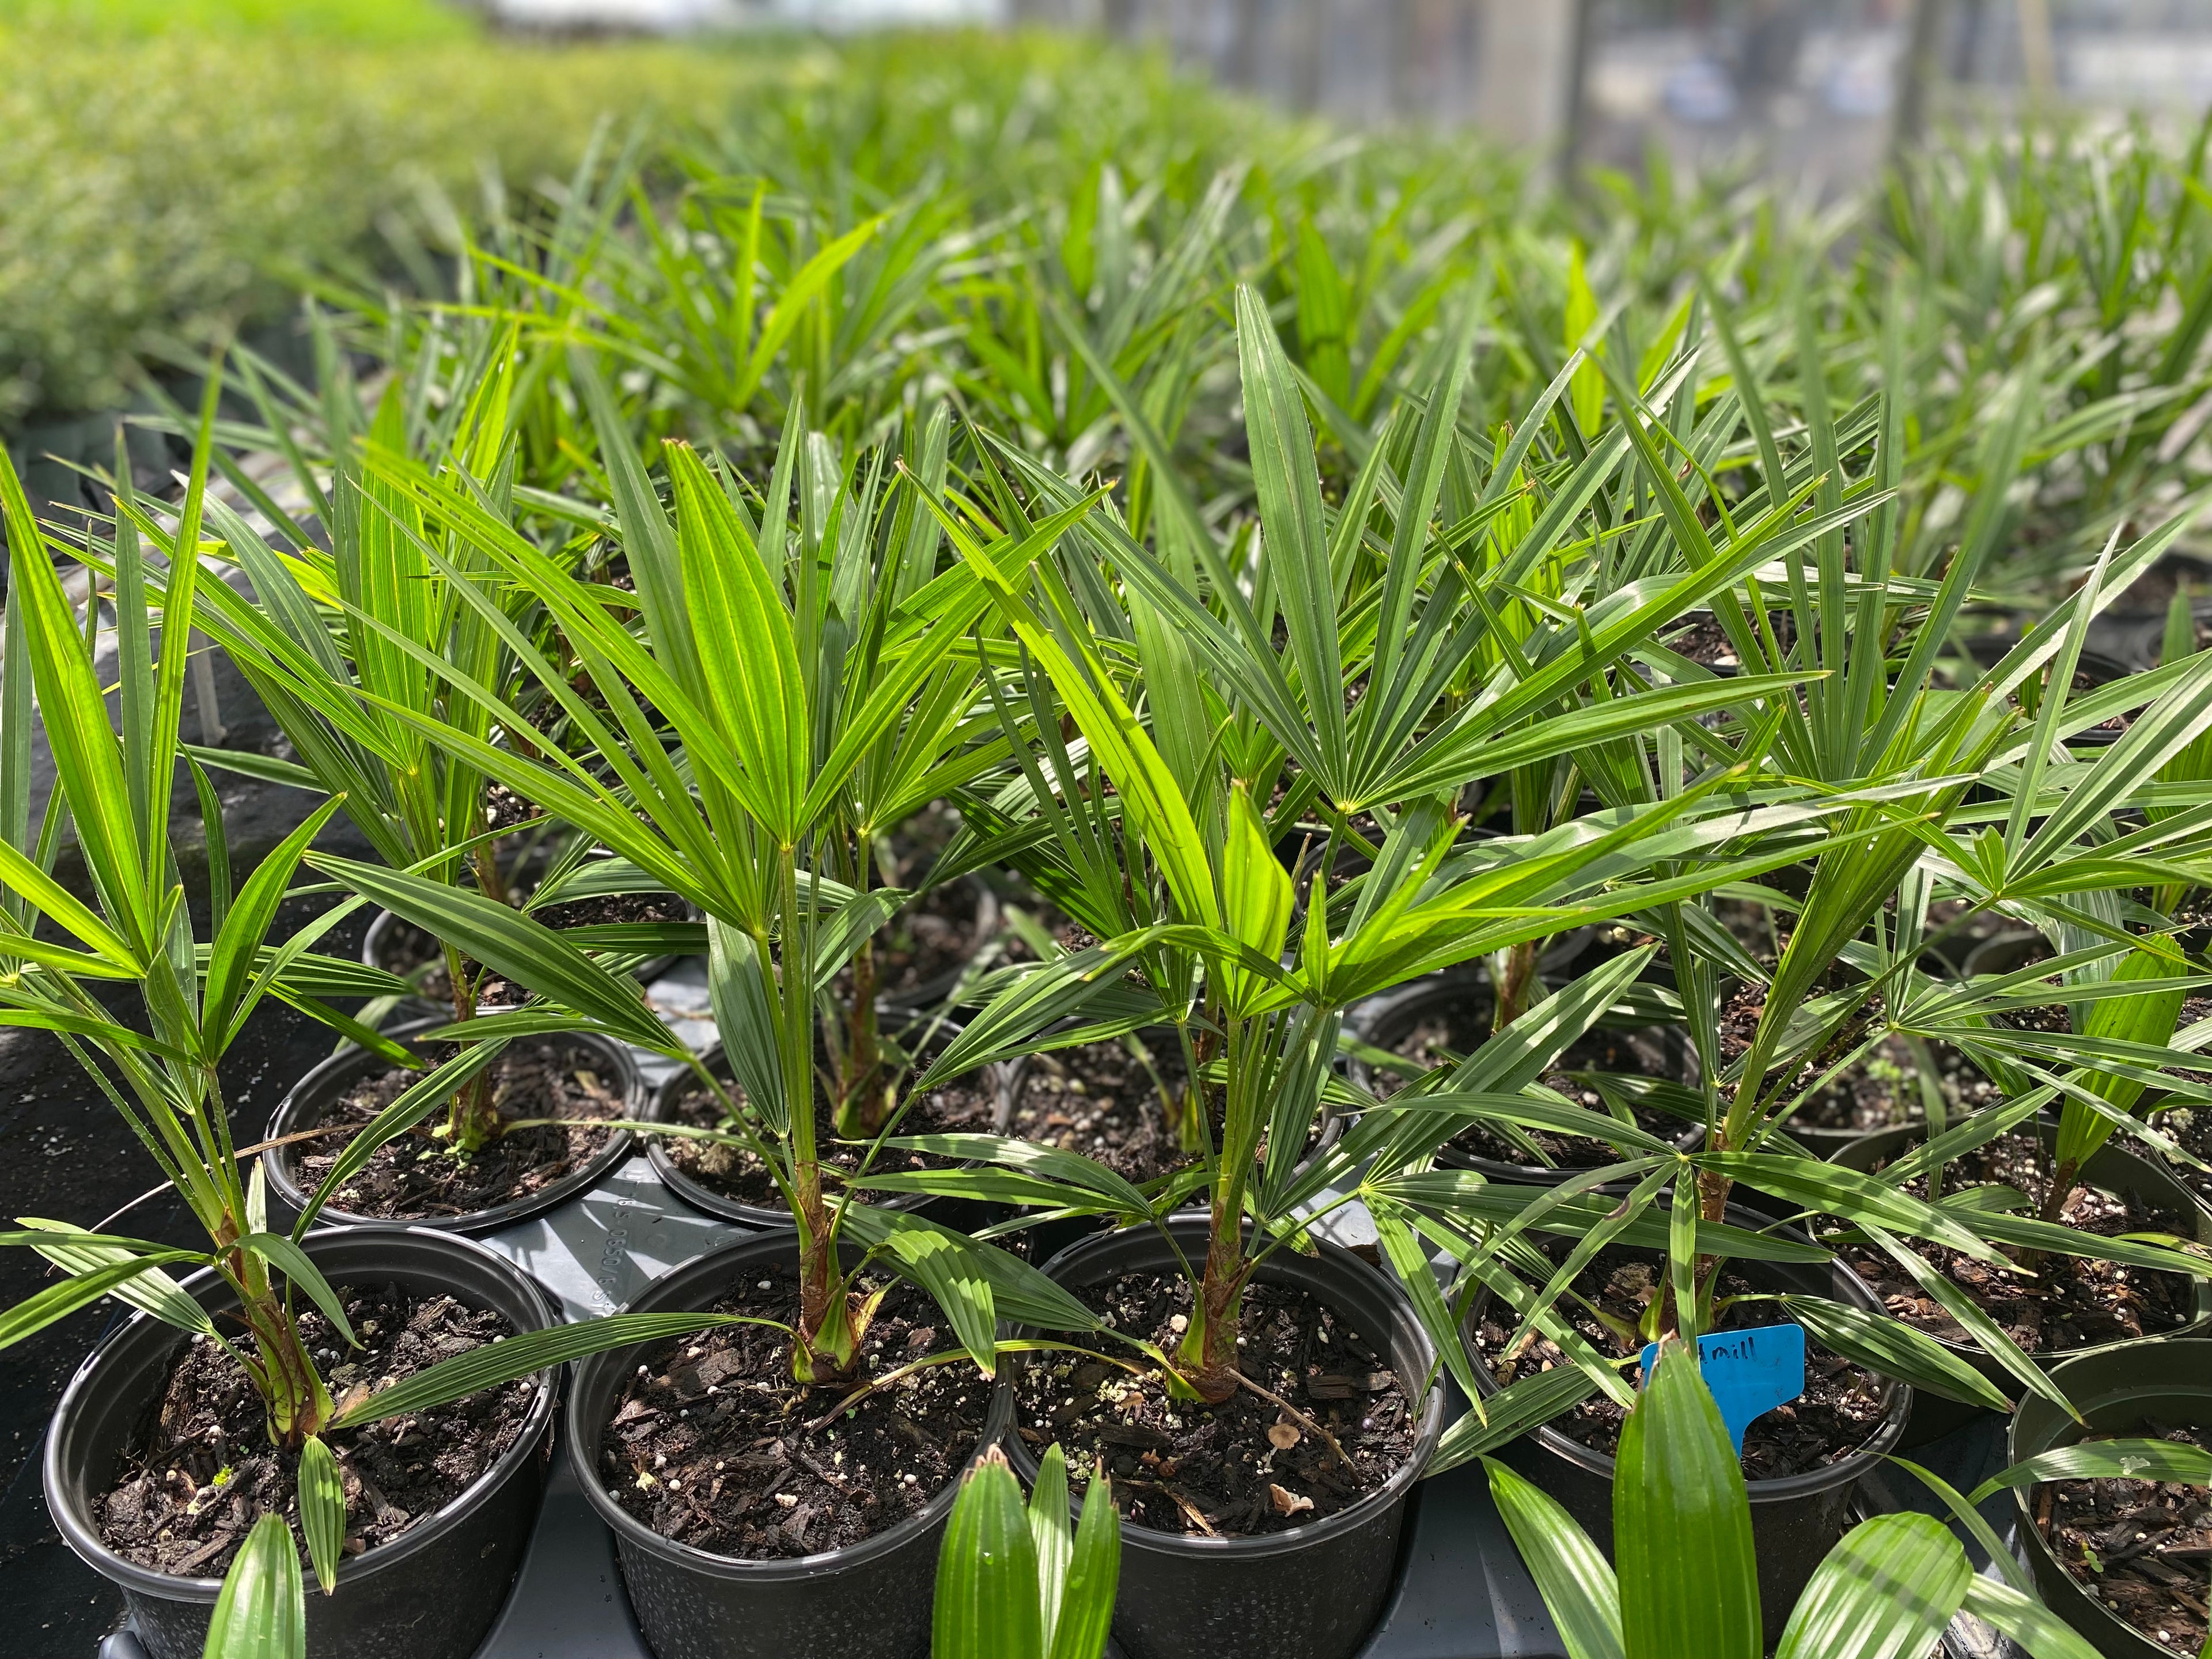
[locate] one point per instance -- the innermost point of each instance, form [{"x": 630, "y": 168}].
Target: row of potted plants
[{"x": 1235, "y": 785}]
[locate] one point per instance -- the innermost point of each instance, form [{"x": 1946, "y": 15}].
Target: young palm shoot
[
  {"x": 1429, "y": 900},
  {"x": 1016, "y": 1579},
  {"x": 159, "y": 1064},
  {"x": 776, "y": 702},
  {"x": 336, "y": 642}
]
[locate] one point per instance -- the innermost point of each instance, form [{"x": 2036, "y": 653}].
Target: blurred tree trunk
[
  {"x": 2039, "y": 54},
  {"x": 1919, "y": 69},
  {"x": 1311, "y": 24},
  {"x": 1530, "y": 91},
  {"x": 1247, "y": 25}
]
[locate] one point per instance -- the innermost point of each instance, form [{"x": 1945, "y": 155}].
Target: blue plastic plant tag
[{"x": 1749, "y": 1372}]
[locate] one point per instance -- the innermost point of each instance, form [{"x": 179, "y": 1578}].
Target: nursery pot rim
[
  {"x": 2199, "y": 1325},
  {"x": 2114, "y": 1635},
  {"x": 584, "y": 1441},
  {"x": 1004, "y": 1080},
  {"x": 1896, "y": 1399},
  {"x": 1429, "y": 1419},
  {"x": 83, "y": 1538},
  {"x": 276, "y": 1163}
]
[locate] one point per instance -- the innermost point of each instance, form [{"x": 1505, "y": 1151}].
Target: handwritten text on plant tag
[{"x": 1750, "y": 1372}]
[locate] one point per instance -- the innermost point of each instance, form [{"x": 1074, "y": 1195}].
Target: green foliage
[
  {"x": 142, "y": 213},
  {"x": 371, "y": 23},
  {"x": 1012, "y": 1579},
  {"x": 1687, "y": 1580}
]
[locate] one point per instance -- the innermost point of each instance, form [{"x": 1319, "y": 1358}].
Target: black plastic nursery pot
[
  {"x": 433, "y": 1592},
  {"x": 1794, "y": 1521},
  {"x": 2113, "y": 1167},
  {"x": 2130, "y": 1390},
  {"x": 1313, "y": 1592},
  {"x": 314, "y": 1094},
  {"x": 870, "y": 1601},
  {"x": 1003, "y": 1079},
  {"x": 1382, "y": 1020}
]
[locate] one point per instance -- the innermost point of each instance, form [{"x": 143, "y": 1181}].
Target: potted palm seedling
[
  {"x": 288, "y": 1381},
  {"x": 1688, "y": 1579},
  {"x": 1910, "y": 757},
  {"x": 333, "y": 642},
  {"x": 780, "y": 1491},
  {"x": 1296, "y": 1562}
]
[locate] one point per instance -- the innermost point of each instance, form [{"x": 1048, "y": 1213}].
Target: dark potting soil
[
  {"x": 1881, "y": 1089},
  {"x": 1246, "y": 1467},
  {"x": 1705, "y": 643},
  {"x": 203, "y": 1469},
  {"x": 1070, "y": 936},
  {"x": 418, "y": 957},
  {"x": 1443, "y": 1037},
  {"x": 2191, "y": 1128},
  {"x": 1101, "y": 1100},
  {"x": 967, "y": 1105},
  {"x": 2071, "y": 1301},
  {"x": 935, "y": 936},
  {"x": 1105, "y": 1103},
  {"x": 1840, "y": 1408},
  {"x": 2139, "y": 1546},
  {"x": 715, "y": 1446},
  {"x": 415, "y": 1177}
]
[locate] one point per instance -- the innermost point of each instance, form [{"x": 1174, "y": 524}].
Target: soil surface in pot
[
  {"x": 1246, "y": 1467},
  {"x": 2139, "y": 1546},
  {"x": 1104, "y": 1101},
  {"x": 967, "y": 1105},
  {"x": 713, "y": 1445},
  {"x": 2073, "y": 1302},
  {"x": 1706, "y": 643},
  {"x": 202, "y": 1470},
  {"x": 1840, "y": 1410},
  {"x": 1881, "y": 1089},
  {"x": 1444, "y": 1036},
  {"x": 414, "y": 1177},
  {"x": 1101, "y": 1100},
  {"x": 935, "y": 935}
]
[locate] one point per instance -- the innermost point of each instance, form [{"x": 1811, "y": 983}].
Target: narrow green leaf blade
[
  {"x": 1681, "y": 1525},
  {"x": 1572, "y": 1574},
  {"x": 262, "y": 1613},
  {"x": 322, "y": 1511}
]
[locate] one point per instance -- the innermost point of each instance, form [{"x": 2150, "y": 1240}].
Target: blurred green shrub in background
[{"x": 169, "y": 165}]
